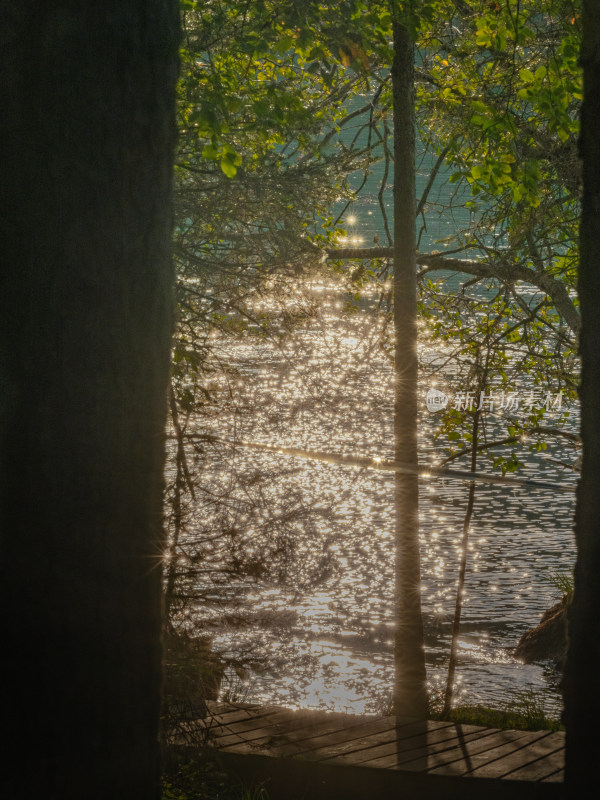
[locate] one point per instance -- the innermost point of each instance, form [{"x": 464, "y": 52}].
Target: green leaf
[
  {"x": 228, "y": 168},
  {"x": 284, "y": 44},
  {"x": 527, "y": 75},
  {"x": 210, "y": 152}
]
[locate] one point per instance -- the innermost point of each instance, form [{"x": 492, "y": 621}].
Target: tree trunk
[
  {"x": 87, "y": 127},
  {"x": 462, "y": 571},
  {"x": 580, "y": 683},
  {"x": 410, "y": 691}
]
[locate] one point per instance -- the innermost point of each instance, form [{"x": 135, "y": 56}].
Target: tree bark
[
  {"x": 410, "y": 691},
  {"x": 87, "y": 97},
  {"x": 580, "y": 683}
]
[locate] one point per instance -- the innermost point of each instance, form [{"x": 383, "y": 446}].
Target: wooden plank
[
  {"x": 396, "y": 730},
  {"x": 297, "y": 716},
  {"x": 293, "y": 738},
  {"x": 306, "y": 745},
  {"x": 222, "y": 707},
  {"x": 283, "y": 732},
  {"x": 395, "y": 753},
  {"x": 219, "y": 727},
  {"x": 216, "y": 708},
  {"x": 387, "y": 744},
  {"x": 556, "y": 777},
  {"x": 221, "y": 733},
  {"x": 504, "y": 743},
  {"x": 406, "y": 737},
  {"x": 507, "y": 763},
  {"x": 459, "y": 759},
  {"x": 227, "y": 713},
  {"x": 540, "y": 768},
  {"x": 416, "y": 759},
  {"x": 324, "y": 746},
  {"x": 199, "y": 730},
  {"x": 296, "y": 779},
  {"x": 193, "y": 731},
  {"x": 269, "y": 728}
]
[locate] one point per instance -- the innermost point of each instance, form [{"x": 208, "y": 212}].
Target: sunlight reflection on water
[{"x": 330, "y": 388}]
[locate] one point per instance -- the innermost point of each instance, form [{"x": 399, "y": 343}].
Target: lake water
[
  {"x": 330, "y": 646},
  {"x": 330, "y": 388}
]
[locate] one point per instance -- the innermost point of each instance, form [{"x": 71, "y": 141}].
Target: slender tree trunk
[
  {"x": 87, "y": 133},
  {"x": 464, "y": 551},
  {"x": 580, "y": 683},
  {"x": 410, "y": 691}
]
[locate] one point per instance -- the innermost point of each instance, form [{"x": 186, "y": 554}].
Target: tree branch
[{"x": 507, "y": 273}]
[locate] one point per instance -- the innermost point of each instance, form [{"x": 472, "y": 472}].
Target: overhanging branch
[{"x": 507, "y": 273}]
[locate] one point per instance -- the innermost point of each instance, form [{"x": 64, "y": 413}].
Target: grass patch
[
  {"x": 564, "y": 583},
  {"x": 526, "y": 713}
]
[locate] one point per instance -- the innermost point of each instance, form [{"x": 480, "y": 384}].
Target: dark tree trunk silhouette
[
  {"x": 410, "y": 692},
  {"x": 580, "y": 683},
  {"x": 87, "y": 131}
]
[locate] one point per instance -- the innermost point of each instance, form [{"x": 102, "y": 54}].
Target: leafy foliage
[
  {"x": 204, "y": 777},
  {"x": 499, "y": 93}
]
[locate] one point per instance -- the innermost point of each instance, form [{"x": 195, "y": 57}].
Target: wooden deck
[{"x": 310, "y": 754}]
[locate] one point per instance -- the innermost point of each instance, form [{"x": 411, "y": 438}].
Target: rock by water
[{"x": 548, "y": 640}]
